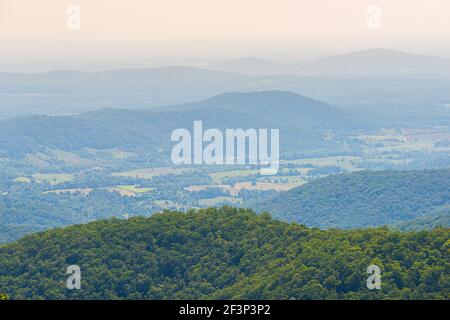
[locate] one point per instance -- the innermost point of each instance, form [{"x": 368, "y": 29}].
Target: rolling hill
[
  {"x": 439, "y": 217},
  {"x": 376, "y": 62},
  {"x": 149, "y": 130},
  {"x": 397, "y": 88},
  {"x": 363, "y": 199},
  {"x": 224, "y": 253},
  {"x": 66, "y": 91},
  {"x": 375, "y": 78}
]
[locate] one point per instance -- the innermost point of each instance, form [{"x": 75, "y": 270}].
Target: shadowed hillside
[{"x": 363, "y": 199}]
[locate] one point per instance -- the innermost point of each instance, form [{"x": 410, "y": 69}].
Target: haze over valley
[
  {"x": 90, "y": 137},
  {"x": 136, "y": 138}
]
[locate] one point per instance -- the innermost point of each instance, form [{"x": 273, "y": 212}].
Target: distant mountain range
[
  {"x": 379, "y": 83},
  {"x": 383, "y": 63},
  {"x": 366, "y": 199},
  {"x": 75, "y": 91}
]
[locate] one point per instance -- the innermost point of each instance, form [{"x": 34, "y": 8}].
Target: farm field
[
  {"x": 22, "y": 180},
  {"x": 149, "y": 173},
  {"x": 345, "y": 162},
  {"x": 126, "y": 190},
  {"x": 53, "y": 178},
  {"x": 135, "y": 189},
  {"x": 218, "y": 201},
  {"x": 217, "y": 177}
]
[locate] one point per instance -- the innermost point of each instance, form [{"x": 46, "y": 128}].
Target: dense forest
[
  {"x": 224, "y": 253},
  {"x": 147, "y": 132},
  {"x": 437, "y": 218},
  {"x": 37, "y": 206},
  {"x": 408, "y": 200},
  {"x": 363, "y": 199}
]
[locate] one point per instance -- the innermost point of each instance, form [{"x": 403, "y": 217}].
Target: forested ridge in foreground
[{"x": 224, "y": 253}]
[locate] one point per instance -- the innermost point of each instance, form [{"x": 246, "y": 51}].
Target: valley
[
  {"x": 105, "y": 175},
  {"x": 88, "y": 179}
]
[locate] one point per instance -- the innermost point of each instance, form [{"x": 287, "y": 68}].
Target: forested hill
[
  {"x": 149, "y": 131},
  {"x": 224, "y": 253},
  {"x": 436, "y": 218},
  {"x": 362, "y": 199}
]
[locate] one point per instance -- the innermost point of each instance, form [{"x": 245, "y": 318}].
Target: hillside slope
[
  {"x": 60, "y": 92},
  {"x": 150, "y": 130},
  {"x": 375, "y": 62},
  {"x": 362, "y": 199},
  {"x": 437, "y": 218},
  {"x": 224, "y": 253}
]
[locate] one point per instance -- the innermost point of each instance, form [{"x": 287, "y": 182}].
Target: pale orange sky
[
  {"x": 181, "y": 19},
  {"x": 226, "y": 28}
]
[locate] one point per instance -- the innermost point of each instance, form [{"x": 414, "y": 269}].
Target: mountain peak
[{"x": 265, "y": 97}]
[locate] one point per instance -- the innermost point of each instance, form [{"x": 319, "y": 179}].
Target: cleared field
[
  {"x": 286, "y": 182},
  {"x": 149, "y": 173},
  {"x": 218, "y": 200},
  {"x": 72, "y": 159},
  {"x": 129, "y": 191},
  {"x": 382, "y": 138},
  {"x": 345, "y": 162},
  {"x": 122, "y": 192},
  {"x": 113, "y": 153},
  {"x": 387, "y": 160},
  {"x": 406, "y": 140},
  {"x": 135, "y": 189},
  {"x": 22, "y": 180},
  {"x": 120, "y": 154},
  {"x": 218, "y": 176},
  {"x": 53, "y": 178},
  {"x": 37, "y": 160}
]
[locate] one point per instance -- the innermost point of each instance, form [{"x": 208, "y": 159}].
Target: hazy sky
[{"x": 148, "y": 30}]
